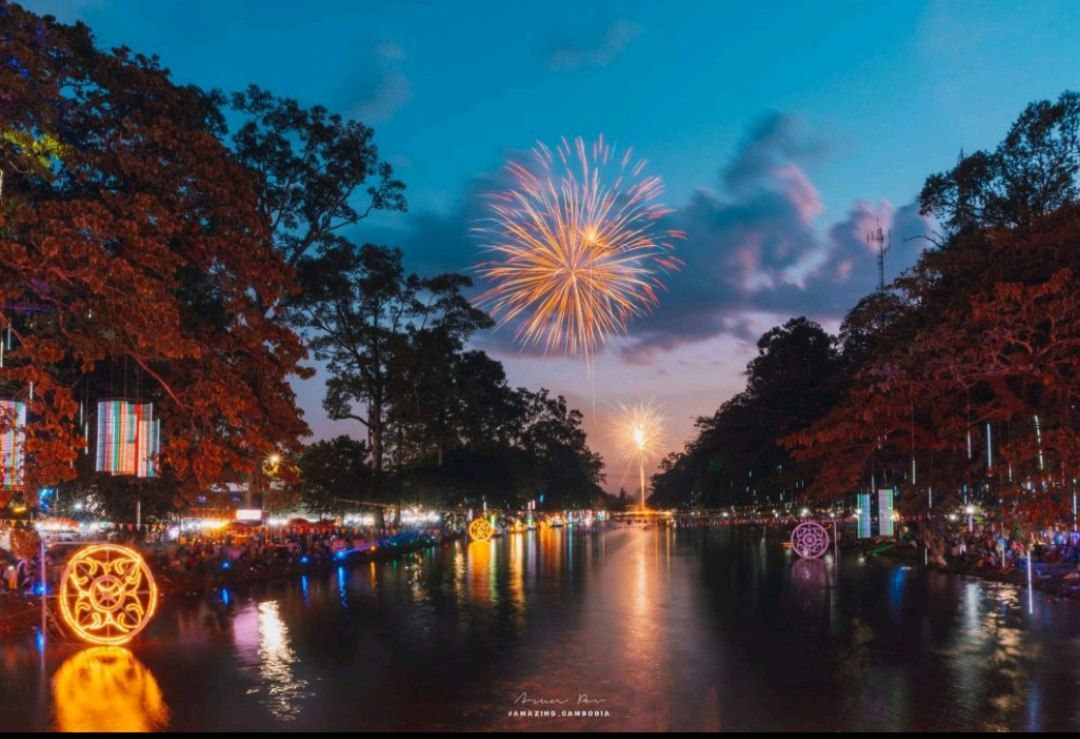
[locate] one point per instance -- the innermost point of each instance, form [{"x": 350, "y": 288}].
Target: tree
[
  {"x": 967, "y": 388},
  {"x": 310, "y": 166},
  {"x": 1032, "y": 172},
  {"x": 333, "y": 474},
  {"x": 564, "y": 470},
  {"x": 135, "y": 252},
  {"x": 736, "y": 456},
  {"x": 371, "y": 322}
]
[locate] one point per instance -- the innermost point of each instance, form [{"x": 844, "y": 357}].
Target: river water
[{"x": 635, "y": 628}]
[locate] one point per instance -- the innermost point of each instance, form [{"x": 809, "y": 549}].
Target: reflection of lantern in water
[
  {"x": 107, "y": 689},
  {"x": 128, "y": 438},
  {"x": 12, "y": 425},
  {"x": 480, "y": 530},
  {"x": 107, "y": 594}
]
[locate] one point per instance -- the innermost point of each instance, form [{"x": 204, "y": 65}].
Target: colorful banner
[
  {"x": 865, "y": 525},
  {"x": 128, "y": 438},
  {"x": 885, "y": 512},
  {"x": 12, "y": 425}
]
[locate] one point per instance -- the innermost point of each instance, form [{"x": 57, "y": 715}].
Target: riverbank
[
  {"x": 20, "y": 612},
  {"x": 1059, "y": 580}
]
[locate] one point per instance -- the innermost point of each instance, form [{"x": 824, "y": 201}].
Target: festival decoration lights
[
  {"x": 107, "y": 594},
  {"x": 481, "y": 530},
  {"x": 12, "y": 431},
  {"x": 576, "y": 246},
  {"x": 128, "y": 438},
  {"x": 810, "y": 540},
  {"x": 885, "y": 512}
]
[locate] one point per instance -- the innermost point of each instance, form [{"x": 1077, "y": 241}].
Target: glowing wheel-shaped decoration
[
  {"x": 810, "y": 540},
  {"x": 107, "y": 594},
  {"x": 480, "y": 530}
]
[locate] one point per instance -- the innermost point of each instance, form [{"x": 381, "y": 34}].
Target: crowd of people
[
  {"x": 196, "y": 560},
  {"x": 994, "y": 546}
]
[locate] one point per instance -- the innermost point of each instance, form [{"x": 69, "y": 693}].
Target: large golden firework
[
  {"x": 576, "y": 244},
  {"x": 639, "y": 432}
]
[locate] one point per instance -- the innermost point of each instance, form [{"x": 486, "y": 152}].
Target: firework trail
[{"x": 576, "y": 245}]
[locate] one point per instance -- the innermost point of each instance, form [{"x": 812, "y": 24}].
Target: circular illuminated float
[
  {"x": 107, "y": 594},
  {"x": 810, "y": 540},
  {"x": 480, "y": 530}
]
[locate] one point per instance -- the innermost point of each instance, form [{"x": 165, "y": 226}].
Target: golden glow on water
[
  {"x": 517, "y": 575},
  {"x": 480, "y": 570},
  {"x": 107, "y": 689}
]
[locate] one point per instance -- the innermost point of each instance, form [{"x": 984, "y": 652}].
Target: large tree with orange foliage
[
  {"x": 135, "y": 256},
  {"x": 986, "y": 342}
]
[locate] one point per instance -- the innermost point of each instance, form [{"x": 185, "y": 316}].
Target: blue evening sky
[{"x": 840, "y": 109}]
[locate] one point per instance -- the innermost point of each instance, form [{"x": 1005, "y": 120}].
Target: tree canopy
[
  {"x": 959, "y": 377},
  {"x": 132, "y": 247}
]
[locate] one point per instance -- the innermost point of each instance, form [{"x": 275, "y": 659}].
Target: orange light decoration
[
  {"x": 480, "y": 530},
  {"x": 107, "y": 689},
  {"x": 107, "y": 594}
]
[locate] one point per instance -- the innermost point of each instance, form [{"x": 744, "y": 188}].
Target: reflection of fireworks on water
[
  {"x": 576, "y": 246},
  {"x": 639, "y": 432}
]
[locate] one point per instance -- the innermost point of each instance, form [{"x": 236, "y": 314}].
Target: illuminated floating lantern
[
  {"x": 128, "y": 438},
  {"x": 107, "y": 594},
  {"x": 810, "y": 540},
  {"x": 13, "y": 425},
  {"x": 480, "y": 530}
]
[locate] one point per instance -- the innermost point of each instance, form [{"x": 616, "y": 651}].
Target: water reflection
[
  {"x": 675, "y": 630},
  {"x": 810, "y": 583},
  {"x": 262, "y": 639},
  {"x": 107, "y": 689}
]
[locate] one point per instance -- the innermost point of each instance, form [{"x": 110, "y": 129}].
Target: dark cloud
[
  {"x": 752, "y": 246},
  {"x": 384, "y": 87},
  {"x": 565, "y": 51}
]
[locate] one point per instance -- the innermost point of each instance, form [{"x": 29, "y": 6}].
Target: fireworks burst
[
  {"x": 639, "y": 431},
  {"x": 577, "y": 247}
]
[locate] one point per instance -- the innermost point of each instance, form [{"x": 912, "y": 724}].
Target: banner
[
  {"x": 865, "y": 526},
  {"x": 885, "y": 512},
  {"x": 128, "y": 438},
  {"x": 12, "y": 425}
]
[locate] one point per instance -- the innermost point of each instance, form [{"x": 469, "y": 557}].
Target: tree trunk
[
  {"x": 934, "y": 541},
  {"x": 375, "y": 434}
]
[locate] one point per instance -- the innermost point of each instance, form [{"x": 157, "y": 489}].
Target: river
[{"x": 653, "y": 629}]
